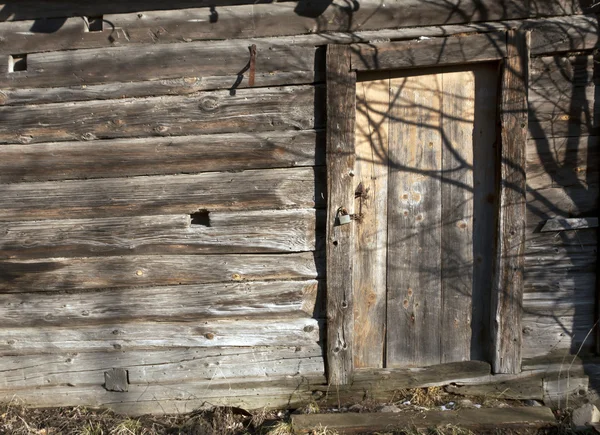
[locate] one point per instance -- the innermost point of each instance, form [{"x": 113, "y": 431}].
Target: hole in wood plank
[
  {"x": 17, "y": 62},
  {"x": 94, "y": 24},
  {"x": 201, "y": 218}
]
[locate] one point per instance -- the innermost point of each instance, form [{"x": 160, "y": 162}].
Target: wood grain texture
[
  {"x": 196, "y": 61},
  {"x": 557, "y": 202},
  {"x": 192, "y": 303},
  {"x": 53, "y": 274},
  {"x": 370, "y": 230},
  {"x": 561, "y": 73},
  {"x": 414, "y": 216},
  {"x": 569, "y": 224},
  {"x": 249, "y": 110},
  {"x": 564, "y": 34},
  {"x": 185, "y": 154},
  {"x": 429, "y": 52},
  {"x": 341, "y": 117},
  {"x": 224, "y": 232},
  {"x": 286, "y": 331},
  {"x": 457, "y": 213},
  {"x": 562, "y": 162},
  {"x": 507, "y": 293},
  {"x": 168, "y": 194},
  {"x": 160, "y": 366}
]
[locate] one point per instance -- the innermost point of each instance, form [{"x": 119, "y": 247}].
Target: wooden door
[{"x": 426, "y": 215}]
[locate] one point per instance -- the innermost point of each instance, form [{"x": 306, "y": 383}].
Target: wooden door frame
[{"x": 511, "y": 49}]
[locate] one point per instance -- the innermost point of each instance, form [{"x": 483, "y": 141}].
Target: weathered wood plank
[
  {"x": 184, "y": 154},
  {"x": 558, "y": 202},
  {"x": 562, "y": 162},
  {"x": 168, "y": 194},
  {"x": 569, "y": 224},
  {"x": 414, "y": 216},
  {"x": 507, "y": 291},
  {"x": 165, "y": 303},
  {"x": 370, "y": 230},
  {"x": 221, "y": 232},
  {"x": 341, "y": 157},
  {"x": 452, "y": 50},
  {"x": 140, "y": 62},
  {"x": 286, "y": 331},
  {"x": 174, "y": 398},
  {"x": 477, "y": 419},
  {"x": 563, "y": 34},
  {"x": 249, "y": 110},
  {"x": 151, "y": 270},
  {"x": 561, "y": 73},
  {"x": 160, "y": 366},
  {"x": 457, "y": 213}
]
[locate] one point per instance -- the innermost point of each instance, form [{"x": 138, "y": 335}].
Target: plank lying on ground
[
  {"x": 430, "y": 52},
  {"x": 169, "y": 194},
  {"x": 249, "y": 110},
  {"x": 562, "y": 162},
  {"x": 221, "y": 232},
  {"x": 556, "y": 202},
  {"x": 180, "y": 154},
  {"x": 175, "y": 398},
  {"x": 161, "y": 61},
  {"x": 153, "y": 270},
  {"x": 287, "y": 331},
  {"x": 569, "y": 224},
  {"x": 490, "y": 418},
  {"x": 561, "y": 73},
  {"x": 160, "y": 366},
  {"x": 167, "y": 303}
]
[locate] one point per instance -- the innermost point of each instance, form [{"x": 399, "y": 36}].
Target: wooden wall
[{"x": 161, "y": 215}]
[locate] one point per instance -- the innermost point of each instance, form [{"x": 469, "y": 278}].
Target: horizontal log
[
  {"x": 564, "y": 34},
  {"x": 221, "y": 232},
  {"x": 561, "y": 73},
  {"x": 288, "y": 331},
  {"x": 180, "y": 154},
  {"x": 429, "y": 52},
  {"x": 569, "y": 224},
  {"x": 160, "y": 366},
  {"x": 166, "y": 303},
  {"x": 562, "y": 162},
  {"x": 152, "y": 270},
  {"x": 561, "y": 260},
  {"x": 139, "y": 62},
  {"x": 247, "y": 393},
  {"x": 557, "y": 202},
  {"x": 166, "y": 194},
  {"x": 564, "y": 282},
  {"x": 249, "y": 110}
]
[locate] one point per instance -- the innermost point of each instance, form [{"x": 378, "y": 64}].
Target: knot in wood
[{"x": 208, "y": 104}]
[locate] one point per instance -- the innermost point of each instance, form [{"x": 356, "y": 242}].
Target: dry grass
[{"x": 427, "y": 397}]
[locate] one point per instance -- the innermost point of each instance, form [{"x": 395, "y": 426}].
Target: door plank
[
  {"x": 457, "y": 214},
  {"x": 370, "y": 230},
  {"x": 414, "y": 212}
]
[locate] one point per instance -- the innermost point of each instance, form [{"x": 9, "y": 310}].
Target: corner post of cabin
[
  {"x": 341, "y": 102},
  {"x": 507, "y": 295}
]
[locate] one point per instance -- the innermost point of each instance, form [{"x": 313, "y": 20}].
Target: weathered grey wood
[
  {"x": 507, "y": 292},
  {"x": 556, "y": 202},
  {"x": 160, "y": 366},
  {"x": 518, "y": 389},
  {"x": 457, "y": 214},
  {"x": 168, "y": 194},
  {"x": 491, "y": 418},
  {"x": 370, "y": 230},
  {"x": 223, "y": 232},
  {"x": 116, "y": 380},
  {"x": 286, "y": 331},
  {"x": 185, "y": 154},
  {"x": 562, "y": 162},
  {"x": 150, "y": 270},
  {"x": 191, "y": 303},
  {"x": 562, "y": 73},
  {"x": 414, "y": 216},
  {"x": 341, "y": 117},
  {"x": 140, "y": 62},
  {"x": 174, "y": 398},
  {"x": 249, "y": 110},
  {"x": 429, "y": 52},
  {"x": 569, "y": 224},
  {"x": 562, "y": 34}
]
